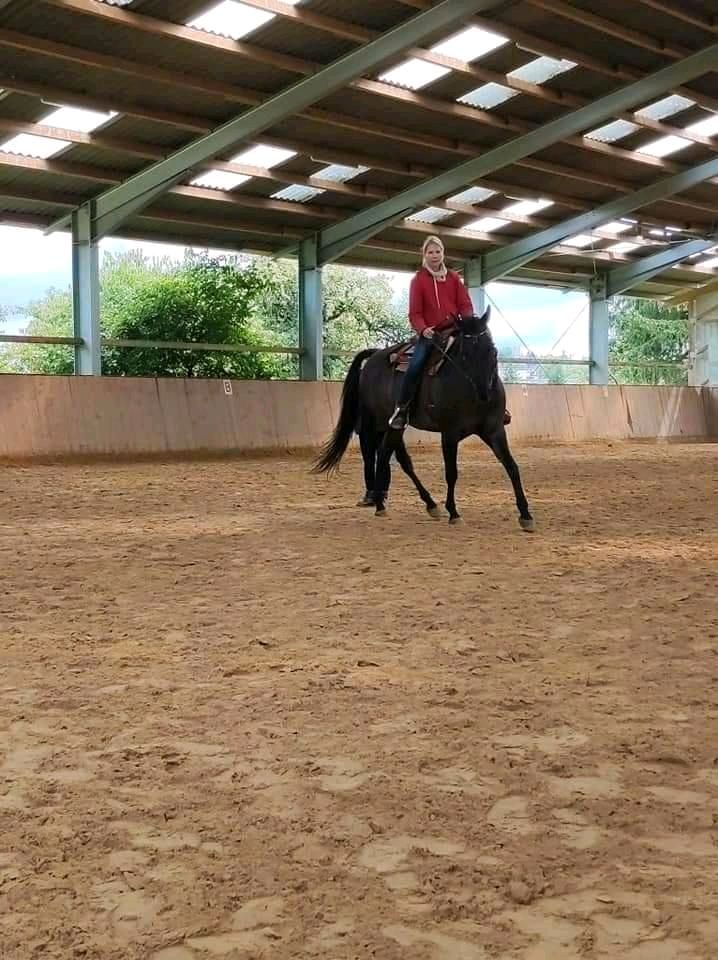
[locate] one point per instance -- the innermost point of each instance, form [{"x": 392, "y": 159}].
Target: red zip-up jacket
[{"x": 433, "y": 303}]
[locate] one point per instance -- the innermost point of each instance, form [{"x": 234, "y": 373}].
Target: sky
[{"x": 546, "y": 321}]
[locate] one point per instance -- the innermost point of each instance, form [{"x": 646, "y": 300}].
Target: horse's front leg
[
  {"x": 406, "y": 464},
  {"x": 499, "y": 445},
  {"x": 450, "y": 450}
]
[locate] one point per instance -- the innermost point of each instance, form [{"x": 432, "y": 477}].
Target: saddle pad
[{"x": 401, "y": 355}]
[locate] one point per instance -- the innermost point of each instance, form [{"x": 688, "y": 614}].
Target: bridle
[{"x": 447, "y": 356}]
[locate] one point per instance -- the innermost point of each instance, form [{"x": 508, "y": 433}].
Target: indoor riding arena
[{"x": 242, "y": 716}]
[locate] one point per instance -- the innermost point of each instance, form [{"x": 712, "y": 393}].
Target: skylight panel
[
  {"x": 666, "y": 107},
  {"x": 30, "y": 145},
  {"x": 470, "y": 44},
  {"x": 264, "y": 156},
  {"x": 581, "y": 240},
  {"x": 233, "y": 19},
  {"x": 339, "y": 172},
  {"x": 430, "y": 215},
  {"x": 664, "y": 146},
  {"x": 472, "y": 195},
  {"x": 623, "y": 246},
  {"x": 705, "y": 128},
  {"x": 614, "y": 228},
  {"x": 219, "y": 180},
  {"x": 610, "y": 132},
  {"x": 297, "y": 193},
  {"x": 542, "y": 69},
  {"x": 525, "y": 208},
  {"x": 414, "y": 74},
  {"x": 708, "y": 265},
  {"x": 68, "y": 118},
  {"x": 486, "y": 224},
  {"x": 488, "y": 96},
  {"x": 78, "y": 119}
]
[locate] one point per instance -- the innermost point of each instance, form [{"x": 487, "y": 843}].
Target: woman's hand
[{"x": 428, "y": 332}]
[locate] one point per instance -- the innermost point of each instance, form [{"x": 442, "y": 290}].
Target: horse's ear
[{"x": 484, "y": 319}]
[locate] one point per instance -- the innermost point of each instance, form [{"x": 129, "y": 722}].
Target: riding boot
[
  {"x": 398, "y": 419},
  {"x": 410, "y": 384}
]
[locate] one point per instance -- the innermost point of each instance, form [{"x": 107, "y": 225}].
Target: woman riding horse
[{"x": 437, "y": 296}]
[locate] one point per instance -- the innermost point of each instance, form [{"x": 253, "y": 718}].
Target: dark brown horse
[{"x": 465, "y": 398}]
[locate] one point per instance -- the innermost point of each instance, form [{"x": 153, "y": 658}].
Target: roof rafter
[
  {"x": 500, "y": 262},
  {"x": 340, "y": 237},
  {"x": 619, "y": 71},
  {"x": 381, "y": 161},
  {"x": 156, "y": 27},
  {"x": 623, "y": 278},
  {"x": 180, "y": 216},
  {"x": 243, "y": 95},
  {"x": 111, "y": 208},
  {"x": 688, "y": 294},
  {"x": 682, "y": 13}
]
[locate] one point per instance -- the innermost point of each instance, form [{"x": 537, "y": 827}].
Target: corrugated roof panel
[
  {"x": 418, "y": 139},
  {"x": 297, "y": 193}
]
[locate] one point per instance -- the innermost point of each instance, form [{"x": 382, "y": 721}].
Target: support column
[
  {"x": 311, "y": 325},
  {"x": 704, "y": 341},
  {"x": 598, "y": 332},
  {"x": 473, "y": 281},
  {"x": 86, "y": 294}
]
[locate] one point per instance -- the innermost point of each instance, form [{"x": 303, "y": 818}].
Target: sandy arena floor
[{"x": 242, "y": 718}]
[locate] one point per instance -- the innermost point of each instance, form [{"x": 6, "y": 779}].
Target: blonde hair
[{"x": 430, "y": 242}]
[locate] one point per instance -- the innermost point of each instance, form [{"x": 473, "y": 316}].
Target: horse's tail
[{"x": 336, "y": 446}]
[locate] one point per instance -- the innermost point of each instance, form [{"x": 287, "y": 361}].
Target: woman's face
[{"x": 434, "y": 256}]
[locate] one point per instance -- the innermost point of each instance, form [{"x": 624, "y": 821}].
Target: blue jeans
[{"x": 412, "y": 377}]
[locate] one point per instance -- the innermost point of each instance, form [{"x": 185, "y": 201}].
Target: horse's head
[{"x": 479, "y": 352}]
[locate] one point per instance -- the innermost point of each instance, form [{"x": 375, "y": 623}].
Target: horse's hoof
[
  {"x": 454, "y": 520},
  {"x": 366, "y": 501},
  {"x": 381, "y": 514},
  {"x": 434, "y": 513},
  {"x": 527, "y": 524}
]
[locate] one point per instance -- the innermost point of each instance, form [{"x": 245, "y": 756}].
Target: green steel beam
[
  {"x": 341, "y": 237},
  {"x": 474, "y": 282},
  {"x": 85, "y": 296},
  {"x": 506, "y": 259},
  {"x": 311, "y": 312},
  {"x": 117, "y": 204},
  {"x": 598, "y": 328},
  {"x": 623, "y": 278}
]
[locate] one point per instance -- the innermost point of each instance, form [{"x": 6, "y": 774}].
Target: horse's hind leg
[
  {"x": 387, "y": 447},
  {"x": 499, "y": 445},
  {"x": 368, "y": 445},
  {"x": 406, "y": 464}
]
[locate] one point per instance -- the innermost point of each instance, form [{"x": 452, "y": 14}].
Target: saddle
[{"x": 402, "y": 353}]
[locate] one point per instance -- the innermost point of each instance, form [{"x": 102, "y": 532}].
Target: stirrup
[
  {"x": 397, "y": 421},
  {"x": 507, "y": 418}
]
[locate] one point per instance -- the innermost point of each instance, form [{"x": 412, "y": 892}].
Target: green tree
[
  {"x": 647, "y": 330},
  {"x": 204, "y": 301},
  {"x": 359, "y": 310},
  {"x": 200, "y": 300}
]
